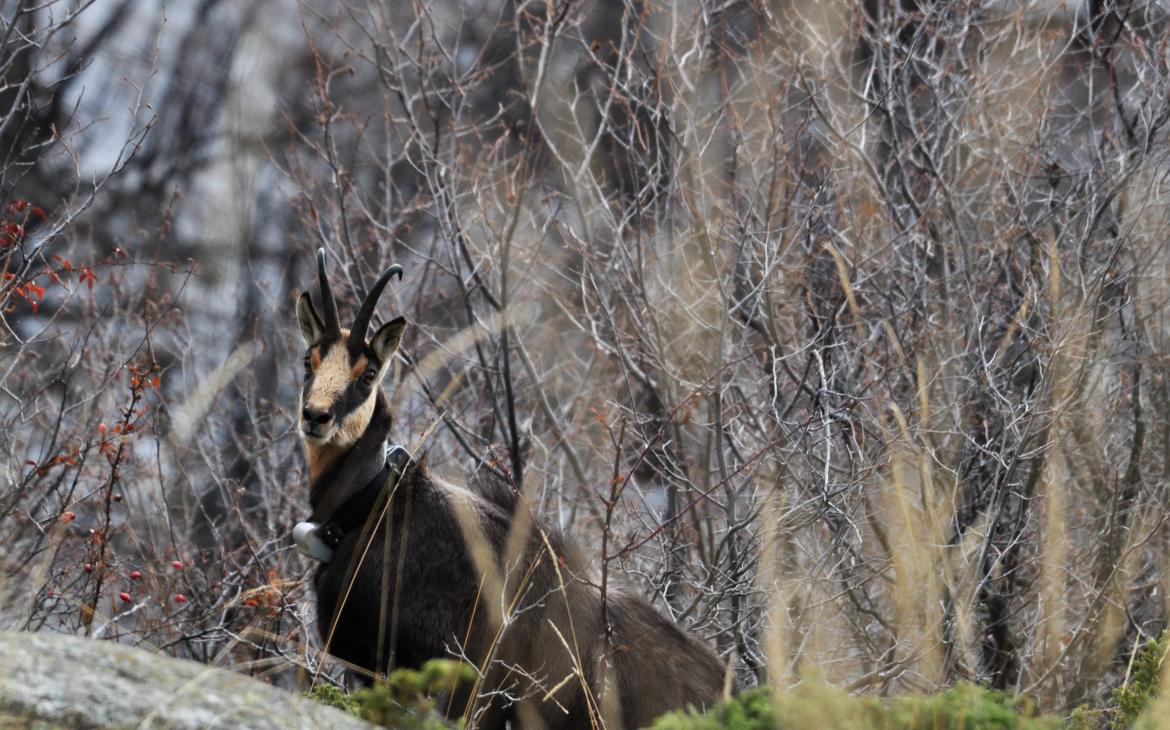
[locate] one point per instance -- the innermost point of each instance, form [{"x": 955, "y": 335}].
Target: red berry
[
  {"x": 116, "y": 498},
  {"x": 135, "y": 575},
  {"x": 124, "y": 596},
  {"x": 88, "y": 568},
  {"x": 68, "y": 516},
  {"x": 49, "y": 593},
  {"x": 176, "y": 565},
  {"x": 180, "y": 598},
  {"x": 102, "y": 428}
]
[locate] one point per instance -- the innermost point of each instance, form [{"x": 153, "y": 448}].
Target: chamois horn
[
  {"x": 332, "y": 323},
  {"x": 357, "y": 334}
]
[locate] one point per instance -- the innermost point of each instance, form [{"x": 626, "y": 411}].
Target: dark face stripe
[{"x": 346, "y": 391}]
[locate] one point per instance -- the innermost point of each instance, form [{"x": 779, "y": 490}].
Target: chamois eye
[
  {"x": 369, "y": 376},
  {"x": 308, "y": 365}
]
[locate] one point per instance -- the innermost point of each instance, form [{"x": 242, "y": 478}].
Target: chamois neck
[
  {"x": 321, "y": 457},
  {"x": 336, "y": 467}
]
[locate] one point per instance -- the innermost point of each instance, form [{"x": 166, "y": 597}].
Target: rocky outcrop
[{"x": 55, "y": 681}]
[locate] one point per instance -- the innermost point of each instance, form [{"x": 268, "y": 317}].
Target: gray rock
[{"x": 55, "y": 681}]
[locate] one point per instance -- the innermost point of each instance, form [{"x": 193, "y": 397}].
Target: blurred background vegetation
[{"x": 838, "y": 329}]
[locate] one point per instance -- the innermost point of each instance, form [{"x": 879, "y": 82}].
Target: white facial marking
[
  {"x": 354, "y": 425},
  {"x": 332, "y": 376},
  {"x": 330, "y": 380}
]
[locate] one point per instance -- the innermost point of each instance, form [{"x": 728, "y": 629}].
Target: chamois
[{"x": 414, "y": 568}]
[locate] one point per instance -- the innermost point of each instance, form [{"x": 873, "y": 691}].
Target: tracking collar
[{"x": 319, "y": 540}]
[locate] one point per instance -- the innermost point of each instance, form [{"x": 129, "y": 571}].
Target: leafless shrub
[{"x": 836, "y": 328}]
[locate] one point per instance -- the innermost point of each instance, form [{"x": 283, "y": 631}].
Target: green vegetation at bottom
[
  {"x": 963, "y": 707},
  {"x": 406, "y": 700}
]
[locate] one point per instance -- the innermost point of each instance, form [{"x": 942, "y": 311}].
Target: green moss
[
  {"x": 754, "y": 709},
  {"x": 328, "y": 694},
  {"x": 1144, "y": 678},
  {"x": 406, "y": 699},
  {"x": 963, "y": 707},
  {"x": 1086, "y": 717}
]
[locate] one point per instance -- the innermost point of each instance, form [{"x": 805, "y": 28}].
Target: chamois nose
[{"x": 316, "y": 419}]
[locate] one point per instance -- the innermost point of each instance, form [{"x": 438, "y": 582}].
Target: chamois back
[{"x": 438, "y": 570}]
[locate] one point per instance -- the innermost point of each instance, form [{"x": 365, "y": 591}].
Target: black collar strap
[{"x": 356, "y": 510}]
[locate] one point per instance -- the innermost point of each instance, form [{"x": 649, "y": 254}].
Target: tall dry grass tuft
[{"x": 861, "y": 306}]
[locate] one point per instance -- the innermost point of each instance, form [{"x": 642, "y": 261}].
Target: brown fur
[
  {"x": 321, "y": 457},
  {"x": 444, "y": 540},
  {"x": 444, "y": 570},
  {"x": 331, "y": 377},
  {"x": 356, "y": 371}
]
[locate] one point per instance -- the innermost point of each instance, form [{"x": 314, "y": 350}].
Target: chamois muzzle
[
  {"x": 342, "y": 369},
  {"x": 315, "y": 423}
]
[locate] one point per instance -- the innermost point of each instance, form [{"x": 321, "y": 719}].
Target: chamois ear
[
  {"x": 312, "y": 328},
  {"x": 387, "y": 338}
]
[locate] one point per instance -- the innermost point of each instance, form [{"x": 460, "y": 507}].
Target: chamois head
[{"x": 342, "y": 369}]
